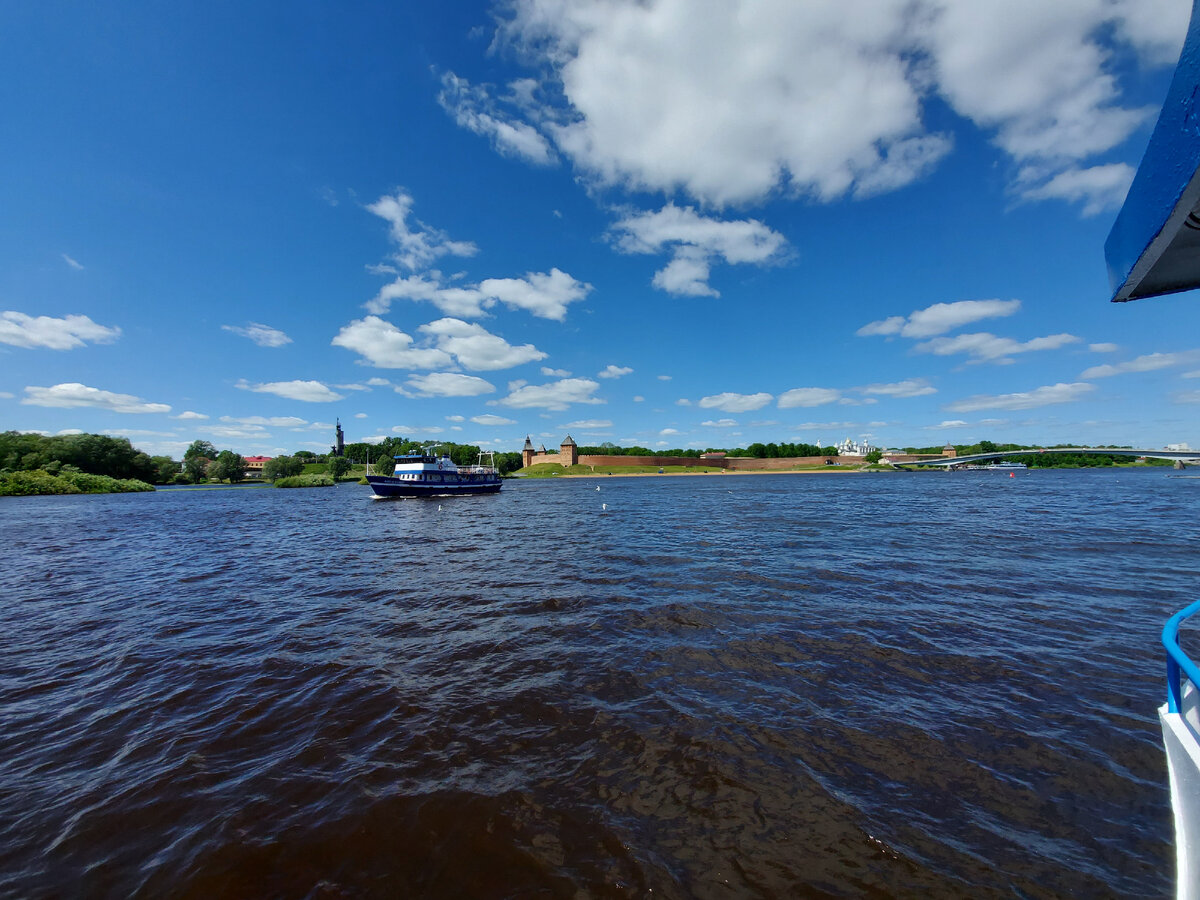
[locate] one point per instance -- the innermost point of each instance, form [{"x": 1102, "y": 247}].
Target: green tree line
[{"x": 95, "y": 454}]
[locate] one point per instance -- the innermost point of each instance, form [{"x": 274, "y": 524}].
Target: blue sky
[{"x": 675, "y": 224}]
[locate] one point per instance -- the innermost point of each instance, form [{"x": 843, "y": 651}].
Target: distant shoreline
[{"x": 829, "y": 470}]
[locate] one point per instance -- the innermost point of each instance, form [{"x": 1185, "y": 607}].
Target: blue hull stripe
[{"x": 386, "y": 486}]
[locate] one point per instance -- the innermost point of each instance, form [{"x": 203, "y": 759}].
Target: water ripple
[{"x": 771, "y": 686}]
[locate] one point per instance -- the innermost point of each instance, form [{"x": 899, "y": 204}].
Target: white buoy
[
  {"x": 603, "y": 505},
  {"x": 597, "y": 489}
]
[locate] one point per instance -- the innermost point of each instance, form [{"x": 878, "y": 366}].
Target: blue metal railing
[{"x": 1177, "y": 660}]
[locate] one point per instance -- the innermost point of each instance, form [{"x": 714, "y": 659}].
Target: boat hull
[{"x": 389, "y": 486}]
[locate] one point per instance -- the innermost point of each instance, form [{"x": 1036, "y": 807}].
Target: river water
[{"x": 910, "y": 685}]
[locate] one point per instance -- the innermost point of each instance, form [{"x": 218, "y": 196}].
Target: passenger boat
[
  {"x": 1153, "y": 250},
  {"x": 1005, "y": 466},
  {"x": 426, "y": 474}
]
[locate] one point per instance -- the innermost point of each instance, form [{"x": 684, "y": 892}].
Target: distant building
[
  {"x": 254, "y": 465},
  {"x": 1182, "y": 446},
  {"x": 850, "y": 447}
]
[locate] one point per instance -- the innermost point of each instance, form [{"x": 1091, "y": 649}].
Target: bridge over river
[{"x": 1181, "y": 456}]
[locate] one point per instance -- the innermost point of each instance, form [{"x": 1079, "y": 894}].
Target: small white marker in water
[
  {"x": 603, "y": 505},
  {"x": 597, "y": 489},
  {"x": 439, "y": 507}
]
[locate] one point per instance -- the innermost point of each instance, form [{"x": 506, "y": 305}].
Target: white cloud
[
  {"x": 448, "y": 384},
  {"x": 1098, "y": 188},
  {"x": 360, "y": 415},
  {"x": 475, "y": 110},
  {"x": 50, "y": 333},
  {"x": 416, "y": 247},
  {"x": 888, "y": 326},
  {"x": 1104, "y": 348},
  {"x": 74, "y": 264},
  {"x": 234, "y": 431},
  {"x": 588, "y": 424},
  {"x": 744, "y": 241},
  {"x": 1034, "y": 72},
  {"x": 638, "y": 398},
  {"x": 1148, "y": 363},
  {"x": 379, "y": 382},
  {"x": 612, "y": 371},
  {"x": 276, "y": 421},
  {"x": 454, "y": 301},
  {"x": 735, "y": 403},
  {"x": 1043, "y": 396},
  {"x": 556, "y": 395},
  {"x": 307, "y": 391},
  {"x": 683, "y": 401},
  {"x": 409, "y": 429},
  {"x": 476, "y": 348},
  {"x": 188, "y": 414},
  {"x": 720, "y": 423},
  {"x": 663, "y": 377},
  {"x": 808, "y": 397},
  {"x": 489, "y": 419},
  {"x": 263, "y": 335},
  {"x": 812, "y": 98},
  {"x": 541, "y": 294},
  {"x": 777, "y": 94},
  {"x": 555, "y": 373},
  {"x": 1156, "y": 28},
  {"x": 912, "y": 387},
  {"x": 695, "y": 241},
  {"x": 949, "y": 423},
  {"x": 5, "y": 395},
  {"x": 685, "y": 276},
  {"x": 940, "y": 318},
  {"x": 826, "y": 426},
  {"x": 73, "y": 394},
  {"x": 385, "y": 346},
  {"x": 668, "y": 431},
  {"x": 455, "y": 419},
  {"x": 985, "y": 347}
]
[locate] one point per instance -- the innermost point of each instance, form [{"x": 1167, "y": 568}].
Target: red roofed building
[{"x": 254, "y": 465}]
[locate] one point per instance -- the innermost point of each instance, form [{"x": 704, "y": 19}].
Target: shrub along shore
[
  {"x": 39, "y": 481},
  {"x": 303, "y": 481}
]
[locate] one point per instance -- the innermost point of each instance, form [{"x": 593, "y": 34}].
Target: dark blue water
[{"x": 935, "y": 685}]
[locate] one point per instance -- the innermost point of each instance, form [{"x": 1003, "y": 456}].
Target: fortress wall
[
  {"x": 733, "y": 463},
  {"x": 746, "y": 464},
  {"x": 542, "y": 458},
  {"x": 648, "y": 461}
]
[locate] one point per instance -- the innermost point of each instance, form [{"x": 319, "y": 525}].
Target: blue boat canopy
[{"x": 1154, "y": 245}]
